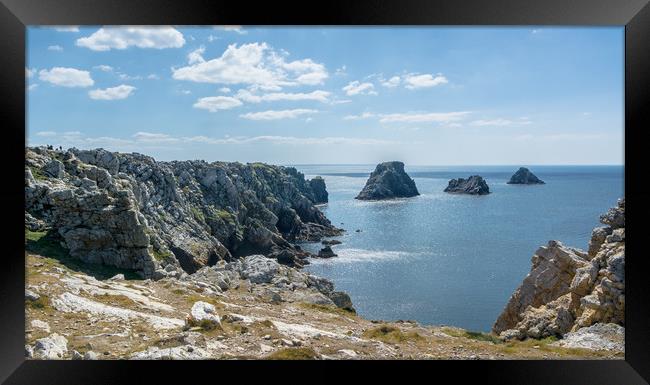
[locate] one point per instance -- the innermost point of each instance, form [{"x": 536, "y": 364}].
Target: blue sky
[{"x": 425, "y": 95}]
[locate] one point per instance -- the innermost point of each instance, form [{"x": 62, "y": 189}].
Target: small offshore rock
[
  {"x": 474, "y": 185},
  {"x": 326, "y": 252},
  {"x": 524, "y": 176},
  {"x": 388, "y": 181}
]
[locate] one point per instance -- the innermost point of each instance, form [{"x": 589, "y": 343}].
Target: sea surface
[{"x": 446, "y": 259}]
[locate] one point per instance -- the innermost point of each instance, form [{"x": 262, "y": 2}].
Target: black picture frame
[{"x": 15, "y": 15}]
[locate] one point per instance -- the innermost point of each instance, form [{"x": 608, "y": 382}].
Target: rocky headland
[
  {"x": 474, "y": 185},
  {"x": 388, "y": 181},
  {"x": 132, "y": 212},
  {"x": 574, "y": 295},
  {"x": 524, "y": 176}
]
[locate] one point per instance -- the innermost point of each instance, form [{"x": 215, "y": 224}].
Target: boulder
[
  {"x": 609, "y": 337},
  {"x": 203, "y": 314},
  {"x": 389, "y": 180},
  {"x": 326, "y": 252},
  {"x": 524, "y": 176},
  {"x": 474, "y": 185},
  {"x": 52, "y": 347}
]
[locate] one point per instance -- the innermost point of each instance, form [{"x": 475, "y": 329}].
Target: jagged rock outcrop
[
  {"x": 130, "y": 211},
  {"x": 317, "y": 185},
  {"x": 389, "y": 180},
  {"x": 568, "y": 289},
  {"x": 474, "y": 185},
  {"x": 524, "y": 176}
]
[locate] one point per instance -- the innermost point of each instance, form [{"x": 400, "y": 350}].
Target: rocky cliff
[
  {"x": 389, "y": 180},
  {"x": 524, "y": 176},
  {"x": 568, "y": 289},
  {"x": 130, "y": 211},
  {"x": 474, "y": 185}
]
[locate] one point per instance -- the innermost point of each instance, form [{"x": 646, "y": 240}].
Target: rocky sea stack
[
  {"x": 319, "y": 190},
  {"x": 474, "y": 185},
  {"x": 569, "y": 291},
  {"x": 389, "y": 180},
  {"x": 132, "y": 212},
  {"x": 524, "y": 176}
]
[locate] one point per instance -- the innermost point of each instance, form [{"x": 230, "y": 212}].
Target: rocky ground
[{"x": 251, "y": 309}]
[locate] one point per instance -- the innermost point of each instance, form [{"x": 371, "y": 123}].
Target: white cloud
[
  {"x": 55, "y": 48},
  {"x": 232, "y": 28},
  {"x": 277, "y": 114},
  {"x": 414, "y": 81},
  {"x": 114, "y": 93},
  {"x": 247, "y": 96},
  {"x": 151, "y": 139},
  {"x": 358, "y": 88},
  {"x": 364, "y": 115},
  {"x": 500, "y": 122},
  {"x": 104, "y": 67},
  {"x": 439, "y": 117},
  {"x": 29, "y": 72},
  {"x": 186, "y": 92},
  {"x": 67, "y": 28},
  {"x": 66, "y": 77},
  {"x": 32, "y": 87},
  {"x": 225, "y": 90},
  {"x": 123, "y": 76},
  {"x": 196, "y": 56},
  {"x": 392, "y": 82},
  {"x": 153, "y": 77},
  {"x": 216, "y": 103},
  {"x": 212, "y": 38},
  {"x": 108, "y": 38},
  {"x": 254, "y": 64},
  {"x": 341, "y": 71},
  {"x": 46, "y": 133}
]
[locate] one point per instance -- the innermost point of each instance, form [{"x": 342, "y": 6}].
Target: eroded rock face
[
  {"x": 524, "y": 176},
  {"x": 474, "y": 185},
  {"x": 129, "y": 211},
  {"x": 389, "y": 180},
  {"x": 568, "y": 289}
]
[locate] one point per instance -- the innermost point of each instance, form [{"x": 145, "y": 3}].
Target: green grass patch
[
  {"x": 160, "y": 255},
  {"x": 47, "y": 244},
  {"x": 327, "y": 309},
  {"x": 478, "y": 336},
  {"x": 37, "y": 173},
  {"x": 391, "y": 334},
  {"x": 42, "y": 303},
  {"x": 293, "y": 354},
  {"x": 197, "y": 214}
]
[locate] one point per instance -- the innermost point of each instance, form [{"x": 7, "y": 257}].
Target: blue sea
[{"x": 446, "y": 259}]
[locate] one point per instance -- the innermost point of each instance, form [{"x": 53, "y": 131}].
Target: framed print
[{"x": 431, "y": 185}]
